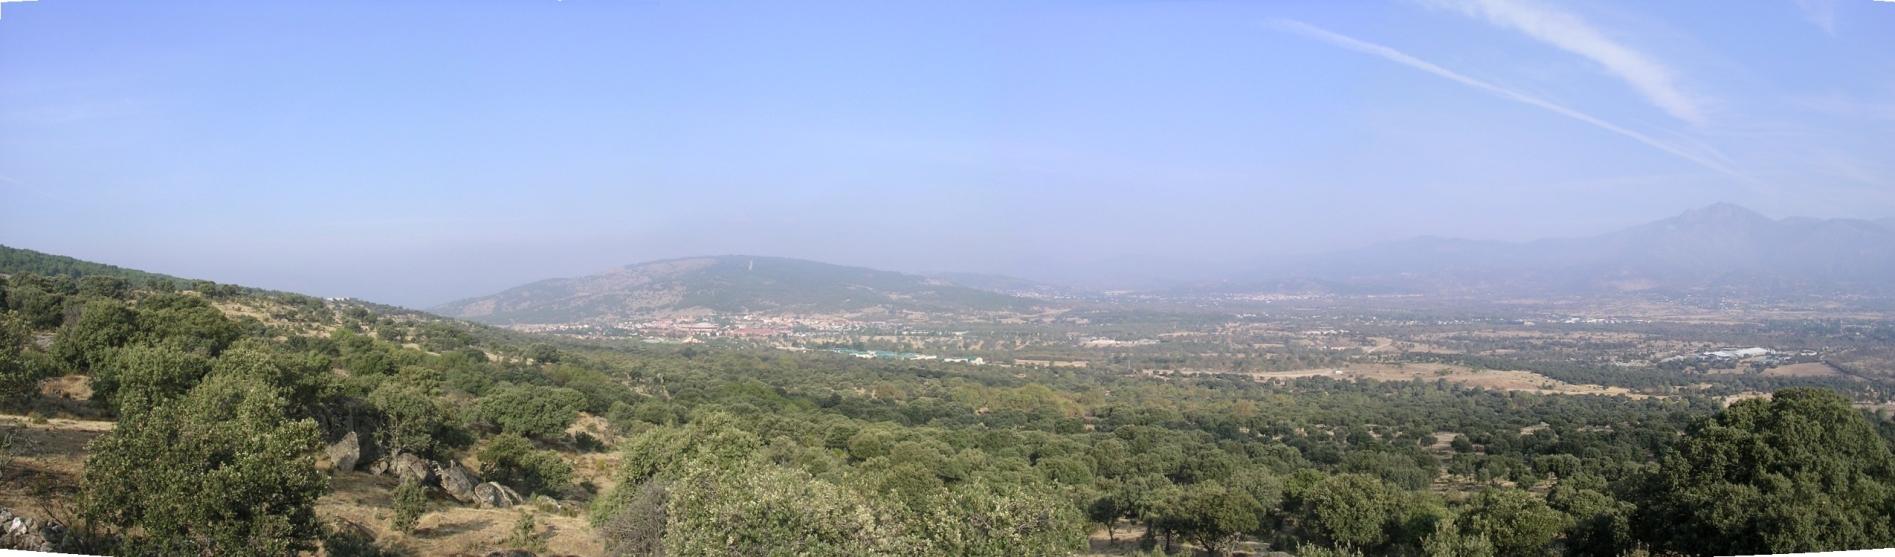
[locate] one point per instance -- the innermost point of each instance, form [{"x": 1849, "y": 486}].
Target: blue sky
[{"x": 416, "y": 152}]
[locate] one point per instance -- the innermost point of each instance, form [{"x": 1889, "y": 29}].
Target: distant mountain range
[
  {"x": 726, "y": 285},
  {"x": 1720, "y": 247}
]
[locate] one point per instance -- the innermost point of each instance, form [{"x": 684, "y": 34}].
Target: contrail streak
[{"x": 1402, "y": 58}]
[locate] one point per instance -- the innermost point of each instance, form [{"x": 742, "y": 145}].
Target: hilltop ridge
[{"x": 725, "y": 284}]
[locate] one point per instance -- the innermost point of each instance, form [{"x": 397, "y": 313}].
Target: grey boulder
[
  {"x": 457, "y": 481},
  {"x": 497, "y": 496},
  {"x": 345, "y": 453}
]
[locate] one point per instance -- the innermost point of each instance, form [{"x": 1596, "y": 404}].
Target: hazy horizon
[{"x": 401, "y": 154}]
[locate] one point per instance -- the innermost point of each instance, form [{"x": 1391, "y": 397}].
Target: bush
[
  {"x": 187, "y": 321},
  {"x": 102, "y": 325},
  {"x": 526, "y": 534},
  {"x": 411, "y": 502},
  {"x": 141, "y": 376},
  {"x": 20, "y": 370},
  {"x": 756, "y": 508},
  {"x": 221, "y": 471},
  {"x": 1515, "y": 521},
  {"x": 1354, "y": 510},
  {"x": 511, "y": 459},
  {"x": 40, "y": 308},
  {"x": 638, "y": 528},
  {"x": 412, "y": 420},
  {"x": 531, "y": 410},
  {"x": 1801, "y": 471},
  {"x": 303, "y": 381}
]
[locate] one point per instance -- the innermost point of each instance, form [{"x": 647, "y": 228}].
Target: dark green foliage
[
  {"x": 1213, "y": 515},
  {"x": 1518, "y": 523},
  {"x": 102, "y": 325},
  {"x": 526, "y": 534},
  {"x": 1355, "y": 510},
  {"x": 1107, "y": 509},
  {"x": 600, "y": 389},
  {"x": 1069, "y": 470},
  {"x": 40, "y": 307},
  {"x": 1448, "y": 540},
  {"x": 1601, "y": 524},
  {"x": 531, "y": 410},
  {"x": 221, "y": 471},
  {"x": 638, "y": 525},
  {"x": 512, "y": 460},
  {"x": 907, "y": 484},
  {"x": 98, "y": 286},
  {"x": 1410, "y": 471},
  {"x": 141, "y": 376},
  {"x": 543, "y": 353},
  {"x": 412, "y": 420},
  {"x": 187, "y": 321},
  {"x": 411, "y": 502},
  {"x": 1800, "y": 471},
  {"x": 715, "y": 438},
  {"x": 1001, "y": 519},
  {"x": 22, "y": 261},
  {"x": 20, "y": 367},
  {"x": 341, "y": 538},
  {"x": 302, "y": 380},
  {"x": 789, "y": 512}
]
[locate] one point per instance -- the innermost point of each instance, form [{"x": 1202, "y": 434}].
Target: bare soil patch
[
  {"x": 450, "y": 528},
  {"x": 48, "y": 461},
  {"x": 1503, "y": 380},
  {"x": 1810, "y": 369}
]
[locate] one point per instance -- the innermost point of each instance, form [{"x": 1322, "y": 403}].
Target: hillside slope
[
  {"x": 724, "y": 284},
  {"x": 17, "y": 260}
]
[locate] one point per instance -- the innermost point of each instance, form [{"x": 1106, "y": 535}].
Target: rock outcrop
[
  {"x": 345, "y": 453},
  {"x": 410, "y": 468},
  {"x": 29, "y": 534},
  {"x": 497, "y": 496},
  {"x": 457, "y": 481}
]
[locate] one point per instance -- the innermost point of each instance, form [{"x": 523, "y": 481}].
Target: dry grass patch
[{"x": 1502, "y": 380}]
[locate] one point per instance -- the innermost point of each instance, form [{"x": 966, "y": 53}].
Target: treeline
[{"x": 22, "y": 261}]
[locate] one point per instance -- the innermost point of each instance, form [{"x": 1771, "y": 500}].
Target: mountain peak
[
  {"x": 1721, "y": 245},
  {"x": 1722, "y": 212}
]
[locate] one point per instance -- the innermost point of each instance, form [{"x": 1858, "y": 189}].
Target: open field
[{"x": 1503, "y": 380}]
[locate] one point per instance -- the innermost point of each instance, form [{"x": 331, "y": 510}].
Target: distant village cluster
[
  {"x": 1760, "y": 356},
  {"x": 889, "y": 355},
  {"x": 696, "y": 330}
]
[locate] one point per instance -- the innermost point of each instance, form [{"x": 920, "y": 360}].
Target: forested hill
[
  {"x": 726, "y": 284},
  {"x": 16, "y": 260}
]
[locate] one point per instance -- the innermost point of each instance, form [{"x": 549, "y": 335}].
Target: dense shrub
[
  {"x": 221, "y": 471},
  {"x": 531, "y": 410},
  {"x": 511, "y": 459}
]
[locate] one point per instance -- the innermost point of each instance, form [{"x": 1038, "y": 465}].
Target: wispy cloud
[
  {"x": 1711, "y": 161},
  {"x": 1569, "y": 32}
]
